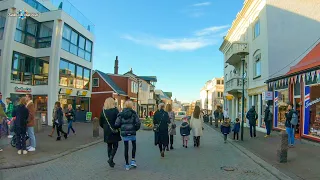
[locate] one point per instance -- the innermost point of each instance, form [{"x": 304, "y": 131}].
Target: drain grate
[
  {"x": 249, "y": 172},
  {"x": 228, "y": 168}
]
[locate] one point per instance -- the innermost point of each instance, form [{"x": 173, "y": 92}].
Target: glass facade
[
  {"x": 312, "y": 110},
  {"x": 3, "y": 15},
  {"x": 73, "y": 75},
  {"x": 32, "y": 33},
  {"x": 29, "y": 70},
  {"x": 281, "y": 106},
  {"x": 75, "y": 43}
]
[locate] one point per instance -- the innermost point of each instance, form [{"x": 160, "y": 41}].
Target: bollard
[
  {"x": 282, "y": 153},
  {"x": 95, "y": 125}
]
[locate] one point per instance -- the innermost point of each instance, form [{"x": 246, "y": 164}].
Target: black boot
[
  {"x": 65, "y": 136},
  {"x": 110, "y": 162},
  {"x": 168, "y": 148},
  {"x": 58, "y": 138},
  {"x": 171, "y": 147},
  {"x": 198, "y": 141},
  {"x": 194, "y": 141}
]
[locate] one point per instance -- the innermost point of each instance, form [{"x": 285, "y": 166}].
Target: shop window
[
  {"x": 3, "y": 15},
  {"x": 297, "y": 89},
  {"x": 283, "y": 100},
  {"x": 33, "y": 33},
  {"x": 95, "y": 82},
  {"x": 29, "y": 70},
  {"x": 314, "y": 128},
  {"x": 75, "y": 43}
]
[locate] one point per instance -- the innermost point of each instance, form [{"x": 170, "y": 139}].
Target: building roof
[
  {"x": 311, "y": 60},
  {"x": 111, "y": 83},
  {"x": 148, "y": 78},
  {"x": 169, "y": 94}
]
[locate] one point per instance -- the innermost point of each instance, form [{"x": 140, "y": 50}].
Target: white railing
[
  {"x": 236, "y": 48},
  {"x": 234, "y": 83}
]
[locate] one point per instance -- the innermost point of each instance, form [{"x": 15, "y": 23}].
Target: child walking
[
  {"x": 225, "y": 129},
  {"x": 236, "y": 129},
  {"x": 185, "y": 132}
]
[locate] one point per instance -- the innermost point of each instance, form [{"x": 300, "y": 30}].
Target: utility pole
[{"x": 138, "y": 108}]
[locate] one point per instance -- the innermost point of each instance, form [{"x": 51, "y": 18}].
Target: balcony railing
[
  {"x": 151, "y": 101},
  {"x": 237, "y": 48},
  {"x": 67, "y": 7},
  {"x": 234, "y": 84}
]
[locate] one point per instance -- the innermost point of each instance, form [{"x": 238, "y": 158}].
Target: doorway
[{"x": 297, "y": 105}]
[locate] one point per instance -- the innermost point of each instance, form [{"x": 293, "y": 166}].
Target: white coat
[{"x": 196, "y": 125}]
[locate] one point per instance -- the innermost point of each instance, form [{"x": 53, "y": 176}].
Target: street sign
[
  {"x": 268, "y": 95},
  {"x": 89, "y": 116}
]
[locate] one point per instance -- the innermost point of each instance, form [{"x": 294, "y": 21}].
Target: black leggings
[
  {"x": 59, "y": 129},
  {"x": 161, "y": 147},
  {"x": 126, "y": 150},
  {"x": 112, "y": 149},
  {"x": 236, "y": 134}
]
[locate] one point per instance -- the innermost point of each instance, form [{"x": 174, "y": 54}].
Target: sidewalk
[
  {"x": 47, "y": 147},
  {"x": 303, "y": 160}
]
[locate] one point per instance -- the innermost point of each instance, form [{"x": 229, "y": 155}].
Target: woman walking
[
  {"x": 70, "y": 117},
  {"x": 129, "y": 123},
  {"x": 172, "y": 125},
  {"x": 59, "y": 121},
  {"x": 112, "y": 137},
  {"x": 196, "y": 124},
  {"x": 161, "y": 121},
  {"x": 20, "y": 125}
]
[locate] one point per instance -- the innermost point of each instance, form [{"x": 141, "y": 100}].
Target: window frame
[
  {"x": 4, "y": 24},
  {"x": 256, "y": 24},
  {"x": 87, "y": 54},
  {"x": 98, "y": 82},
  {"x": 257, "y": 59}
]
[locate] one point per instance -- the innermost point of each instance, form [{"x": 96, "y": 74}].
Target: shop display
[{"x": 315, "y": 125}]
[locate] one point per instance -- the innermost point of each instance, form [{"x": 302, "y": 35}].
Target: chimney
[{"x": 116, "y": 67}]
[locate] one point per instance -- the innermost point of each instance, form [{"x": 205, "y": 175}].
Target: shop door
[{"x": 297, "y": 105}]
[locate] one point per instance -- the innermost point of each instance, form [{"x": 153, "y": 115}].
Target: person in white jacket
[{"x": 196, "y": 125}]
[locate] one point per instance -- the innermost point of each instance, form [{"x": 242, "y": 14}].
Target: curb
[
  {"x": 51, "y": 158},
  {"x": 271, "y": 169}
]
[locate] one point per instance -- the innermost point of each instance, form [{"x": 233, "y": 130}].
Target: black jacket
[
  {"x": 185, "y": 129},
  {"x": 111, "y": 115},
  {"x": 59, "y": 115},
  {"x": 252, "y": 116},
  {"x": 267, "y": 113},
  {"x": 128, "y": 122},
  {"x": 20, "y": 124},
  {"x": 70, "y": 115},
  {"x": 288, "y": 118},
  {"x": 162, "y": 119}
]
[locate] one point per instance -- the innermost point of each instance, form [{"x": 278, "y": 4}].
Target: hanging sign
[
  {"x": 312, "y": 102},
  {"x": 22, "y": 89},
  {"x": 267, "y": 95}
]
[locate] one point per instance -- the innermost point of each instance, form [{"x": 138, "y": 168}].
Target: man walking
[
  {"x": 268, "y": 120},
  {"x": 252, "y": 116},
  {"x": 9, "y": 113},
  {"x": 216, "y": 116},
  {"x": 31, "y": 123}
]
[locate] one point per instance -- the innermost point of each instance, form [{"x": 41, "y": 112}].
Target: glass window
[
  {"x": 81, "y": 53},
  {"x": 74, "y": 38},
  {"x": 82, "y": 42},
  {"x": 19, "y": 36},
  {"x": 32, "y": 26},
  {"x": 88, "y": 45},
  {"x": 95, "y": 82},
  {"x": 86, "y": 78},
  {"x": 3, "y": 15},
  {"x": 73, "y": 49},
  {"x": 297, "y": 89},
  {"x": 87, "y": 56},
  {"x": 218, "y": 81},
  {"x": 65, "y": 45},
  {"x": 79, "y": 72},
  {"x": 66, "y": 32},
  {"x": 283, "y": 99},
  {"x": 257, "y": 65},
  {"x": 46, "y": 29},
  {"x": 41, "y": 71},
  {"x": 314, "y": 128},
  {"x": 256, "y": 31},
  {"x": 21, "y": 24}
]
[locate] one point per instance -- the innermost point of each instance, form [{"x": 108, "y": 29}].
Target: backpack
[{"x": 294, "y": 119}]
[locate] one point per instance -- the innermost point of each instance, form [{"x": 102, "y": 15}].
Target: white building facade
[
  {"x": 47, "y": 55},
  {"x": 211, "y": 95},
  {"x": 273, "y": 33}
]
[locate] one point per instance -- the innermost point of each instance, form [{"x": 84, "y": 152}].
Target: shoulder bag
[{"x": 114, "y": 131}]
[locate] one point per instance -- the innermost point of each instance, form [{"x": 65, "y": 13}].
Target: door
[{"x": 297, "y": 105}]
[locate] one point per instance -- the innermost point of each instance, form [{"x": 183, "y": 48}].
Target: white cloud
[
  {"x": 211, "y": 30},
  {"x": 199, "y": 39},
  {"x": 202, "y": 4}
]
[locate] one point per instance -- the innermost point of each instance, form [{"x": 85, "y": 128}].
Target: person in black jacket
[
  {"x": 289, "y": 126},
  {"x": 252, "y": 116},
  {"x": 20, "y": 125},
  {"x": 70, "y": 117},
  {"x": 161, "y": 120},
  {"x": 59, "y": 121},
  {"x": 268, "y": 120},
  {"x": 112, "y": 137},
  {"x": 129, "y": 123}
]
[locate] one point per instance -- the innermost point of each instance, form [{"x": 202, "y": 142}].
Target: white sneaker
[
  {"x": 31, "y": 149},
  {"x": 24, "y": 152},
  {"x": 28, "y": 147},
  {"x": 10, "y": 136},
  {"x": 1, "y": 150},
  {"x": 19, "y": 152}
]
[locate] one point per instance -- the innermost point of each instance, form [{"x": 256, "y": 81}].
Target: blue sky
[{"x": 176, "y": 40}]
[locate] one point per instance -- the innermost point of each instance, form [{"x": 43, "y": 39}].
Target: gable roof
[
  {"x": 311, "y": 60},
  {"x": 111, "y": 83},
  {"x": 149, "y": 78}
]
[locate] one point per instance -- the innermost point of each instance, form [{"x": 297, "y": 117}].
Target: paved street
[{"x": 203, "y": 163}]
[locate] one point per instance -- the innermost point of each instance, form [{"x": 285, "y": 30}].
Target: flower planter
[{"x": 147, "y": 127}]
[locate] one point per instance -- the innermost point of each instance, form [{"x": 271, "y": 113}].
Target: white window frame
[
  {"x": 93, "y": 79},
  {"x": 257, "y": 59},
  {"x": 256, "y": 25}
]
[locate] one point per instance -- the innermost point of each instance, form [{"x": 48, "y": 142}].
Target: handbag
[
  {"x": 156, "y": 127},
  {"x": 114, "y": 131}
]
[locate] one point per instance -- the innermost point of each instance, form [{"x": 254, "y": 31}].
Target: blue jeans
[
  {"x": 268, "y": 127},
  {"x": 32, "y": 137},
  {"x": 70, "y": 127},
  {"x": 290, "y": 132},
  {"x": 254, "y": 130}
]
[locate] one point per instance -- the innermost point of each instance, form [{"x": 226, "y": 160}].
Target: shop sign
[
  {"x": 267, "y": 95},
  {"x": 22, "y": 89},
  {"x": 89, "y": 116},
  {"x": 312, "y": 102}
]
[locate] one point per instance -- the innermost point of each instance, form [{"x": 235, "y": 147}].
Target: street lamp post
[{"x": 138, "y": 107}]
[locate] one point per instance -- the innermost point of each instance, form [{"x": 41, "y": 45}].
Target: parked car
[{"x": 180, "y": 115}]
